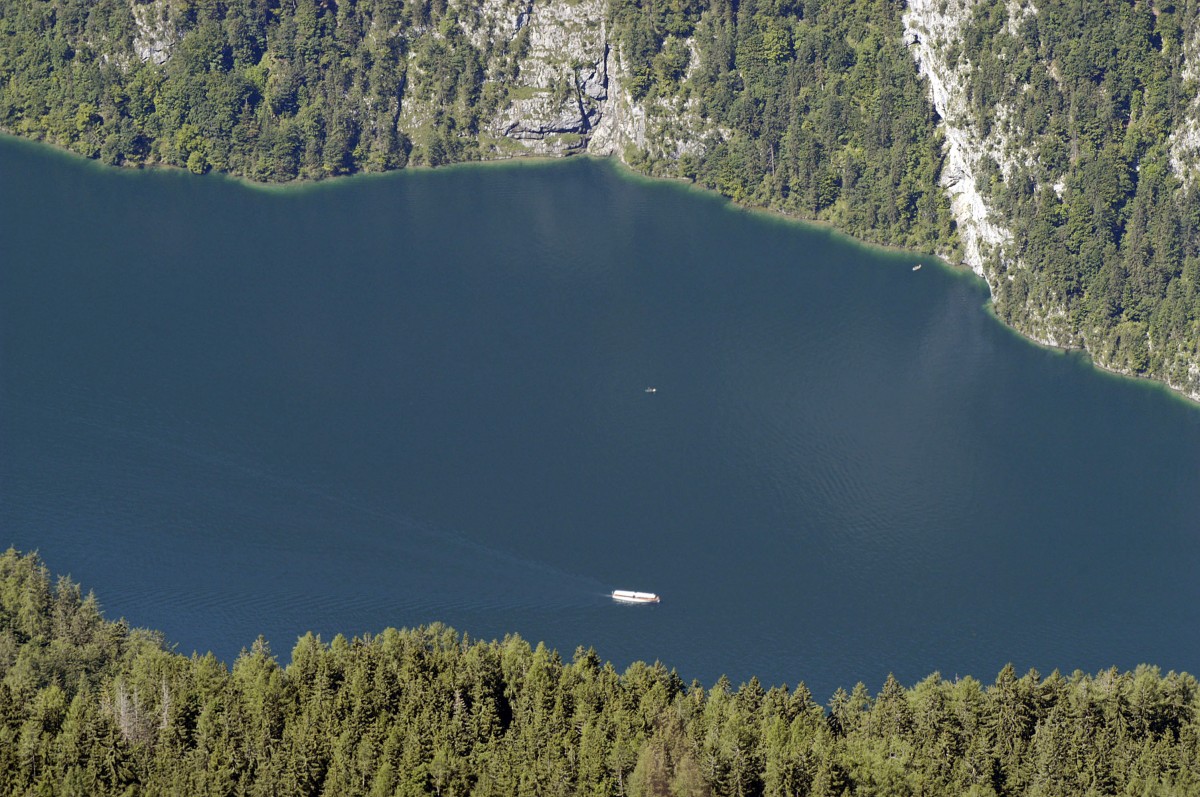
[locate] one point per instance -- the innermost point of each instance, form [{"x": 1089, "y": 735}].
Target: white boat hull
[{"x": 629, "y": 596}]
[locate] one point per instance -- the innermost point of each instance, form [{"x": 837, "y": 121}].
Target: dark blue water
[{"x": 390, "y": 401}]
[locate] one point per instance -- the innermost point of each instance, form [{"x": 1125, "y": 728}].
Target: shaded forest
[{"x": 93, "y": 707}]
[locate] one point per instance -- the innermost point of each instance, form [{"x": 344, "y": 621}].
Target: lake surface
[{"x": 421, "y": 397}]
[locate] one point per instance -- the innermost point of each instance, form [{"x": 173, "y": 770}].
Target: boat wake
[{"x": 187, "y": 528}]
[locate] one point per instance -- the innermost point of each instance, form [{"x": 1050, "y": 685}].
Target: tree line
[{"x": 93, "y": 707}]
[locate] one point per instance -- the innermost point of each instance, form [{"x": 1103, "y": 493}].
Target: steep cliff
[
  {"x": 562, "y": 82},
  {"x": 1185, "y": 138},
  {"x": 1083, "y": 152},
  {"x": 932, "y": 29}
]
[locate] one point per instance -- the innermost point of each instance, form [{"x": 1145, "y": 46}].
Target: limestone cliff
[
  {"x": 931, "y": 28},
  {"x": 567, "y": 91},
  {"x": 156, "y": 31},
  {"x": 1185, "y": 139},
  {"x": 998, "y": 138}
]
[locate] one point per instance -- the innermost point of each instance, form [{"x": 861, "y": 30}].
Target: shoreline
[{"x": 944, "y": 260}]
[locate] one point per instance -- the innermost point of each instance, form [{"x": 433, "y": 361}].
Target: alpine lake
[{"x": 423, "y": 397}]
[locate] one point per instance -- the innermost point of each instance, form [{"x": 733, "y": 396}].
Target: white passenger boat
[
  {"x": 629, "y": 596},
  {"x": 651, "y": 390}
]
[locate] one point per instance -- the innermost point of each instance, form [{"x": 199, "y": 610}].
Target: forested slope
[
  {"x": 1078, "y": 125},
  {"x": 90, "y": 707},
  {"x": 1072, "y": 128}
]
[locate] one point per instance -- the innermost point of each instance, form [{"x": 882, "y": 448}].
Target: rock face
[
  {"x": 156, "y": 32},
  {"x": 562, "y": 72},
  {"x": 931, "y": 27},
  {"x": 570, "y": 94},
  {"x": 1185, "y": 140},
  {"x": 1185, "y": 161},
  {"x": 933, "y": 31}
]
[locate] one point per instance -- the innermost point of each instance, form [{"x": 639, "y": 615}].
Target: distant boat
[
  {"x": 651, "y": 390},
  {"x": 917, "y": 267},
  {"x": 629, "y": 596}
]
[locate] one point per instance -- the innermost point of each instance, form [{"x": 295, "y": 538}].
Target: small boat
[
  {"x": 917, "y": 267},
  {"x": 651, "y": 390},
  {"x": 629, "y": 596}
]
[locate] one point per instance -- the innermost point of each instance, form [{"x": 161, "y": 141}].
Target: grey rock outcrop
[
  {"x": 930, "y": 27},
  {"x": 568, "y": 94},
  {"x": 1185, "y": 140},
  {"x": 156, "y": 33}
]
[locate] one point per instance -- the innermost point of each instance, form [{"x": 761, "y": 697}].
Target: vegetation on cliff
[
  {"x": 822, "y": 112},
  {"x": 1106, "y": 236},
  {"x": 91, "y": 707}
]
